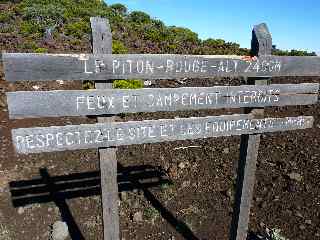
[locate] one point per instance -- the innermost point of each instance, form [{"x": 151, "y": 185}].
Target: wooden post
[
  {"x": 102, "y": 44},
  {"x": 261, "y": 45}
]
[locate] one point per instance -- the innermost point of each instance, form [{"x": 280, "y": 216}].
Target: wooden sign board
[
  {"x": 47, "y": 139},
  {"x": 45, "y": 67},
  {"x": 114, "y": 101}
]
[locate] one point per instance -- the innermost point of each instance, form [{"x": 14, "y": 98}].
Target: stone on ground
[{"x": 59, "y": 231}]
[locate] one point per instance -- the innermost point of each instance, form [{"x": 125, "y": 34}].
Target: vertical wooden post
[
  {"x": 261, "y": 45},
  {"x": 102, "y": 44}
]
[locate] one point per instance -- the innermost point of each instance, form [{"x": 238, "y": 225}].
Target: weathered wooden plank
[
  {"x": 44, "y": 67},
  {"x": 261, "y": 45},
  {"x": 114, "y": 101},
  {"x": 102, "y": 44},
  {"x": 86, "y": 136}
]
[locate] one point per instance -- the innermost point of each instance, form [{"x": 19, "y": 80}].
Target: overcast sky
[{"x": 293, "y": 24}]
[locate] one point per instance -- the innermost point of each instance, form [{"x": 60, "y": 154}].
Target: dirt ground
[{"x": 174, "y": 190}]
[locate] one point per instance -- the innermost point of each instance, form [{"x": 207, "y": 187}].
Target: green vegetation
[
  {"x": 166, "y": 186},
  {"x": 30, "y": 28},
  {"x": 41, "y": 50},
  {"x": 293, "y": 53},
  {"x": 134, "y": 32},
  {"x": 32, "y": 45},
  {"x": 77, "y": 29},
  {"x": 119, "y": 8},
  {"x": 150, "y": 213},
  {"x": 7, "y": 29},
  {"x": 128, "y": 84},
  {"x": 5, "y": 17},
  {"x": 87, "y": 84},
  {"x": 118, "y": 47}
]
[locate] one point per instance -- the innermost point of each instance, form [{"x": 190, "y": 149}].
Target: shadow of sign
[{"x": 59, "y": 189}]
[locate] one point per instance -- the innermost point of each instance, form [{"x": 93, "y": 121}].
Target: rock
[
  {"x": 59, "y": 231},
  {"x": 20, "y": 210},
  {"x": 302, "y": 227},
  {"x": 298, "y": 214},
  {"x": 295, "y": 176},
  {"x": 137, "y": 217},
  {"x": 182, "y": 165},
  {"x": 264, "y": 205},
  {"x": 61, "y": 82},
  {"x": 229, "y": 193},
  {"x": 308, "y": 221},
  {"x": 289, "y": 212},
  {"x": 226, "y": 150},
  {"x": 185, "y": 184}
]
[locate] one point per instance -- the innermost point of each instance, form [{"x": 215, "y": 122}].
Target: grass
[
  {"x": 41, "y": 50},
  {"x": 87, "y": 84},
  {"x": 166, "y": 186},
  {"x": 128, "y": 84},
  {"x": 150, "y": 213}
]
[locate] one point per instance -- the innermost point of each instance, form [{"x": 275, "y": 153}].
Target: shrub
[
  {"x": 119, "y": 8},
  {"x": 128, "y": 84},
  {"x": 118, "y": 47},
  {"x": 181, "y": 35},
  {"x": 41, "y": 50},
  {"x": 7, "y": 28},
  {"x": 27, "y": 28},
  {"x": 29, "y": 45},
  {"x": 139, "y": 17},
  {"x": 5, "y": 17},
  {"x": 153, "y": 34},
  {"x": 44, "y": 14},
  {"x": 77, "y": 29},
  {"x": 150, "y": 213},
  {"x": 87, "y": 84}
]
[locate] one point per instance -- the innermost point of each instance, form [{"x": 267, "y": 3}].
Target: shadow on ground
[{"x": 59, "y": 189}]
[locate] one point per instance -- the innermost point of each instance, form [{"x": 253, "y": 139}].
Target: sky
[{"x": 294, "y": 24}]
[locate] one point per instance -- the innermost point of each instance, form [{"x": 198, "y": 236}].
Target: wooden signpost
[
  {"x": 85, "y": 136},
  {"x": 102, "y": 44},
  {"x": 261, "y": 44},
  {"x": 45, "y": 67},
  {"x": 102, "y": 66},
  {"x": 115, "y": 101}
]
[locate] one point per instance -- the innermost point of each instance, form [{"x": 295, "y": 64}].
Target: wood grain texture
[
  {"x": 102, "y": 44},
  {"x": 100, "y": 135},
  {"x": 45, "y": 67},
  {"x": 261, "y": 45},
  {"x": 115, "y": 101}
]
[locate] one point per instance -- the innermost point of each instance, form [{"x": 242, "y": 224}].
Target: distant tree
[
  {"x": 214, "y": 42},
  {"x": 292, "y": 52},
  {"x": 119, "y": 8},
  {"x": 139, "y": 17}
]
